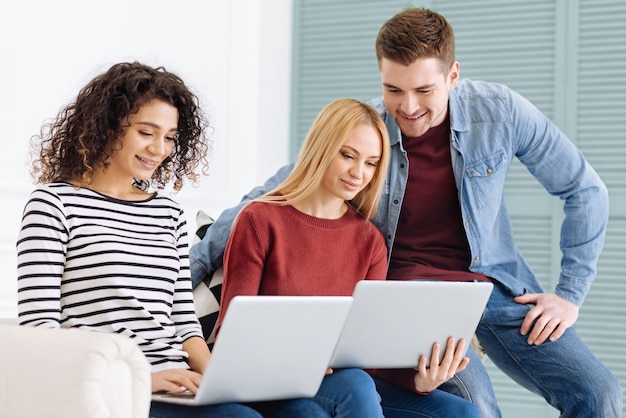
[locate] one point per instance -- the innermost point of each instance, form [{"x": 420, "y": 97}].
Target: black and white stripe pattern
[{"x": 90, "y": 261}]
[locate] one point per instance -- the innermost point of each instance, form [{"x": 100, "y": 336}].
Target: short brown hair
[{"x": 416, "y": 33}]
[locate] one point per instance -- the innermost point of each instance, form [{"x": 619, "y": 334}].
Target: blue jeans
[
  {"x": 564, "y": 372},
  {"x": 290, "y": 408},
  {"x": 272, "y": 409},
  {"x": 225, "y": 410},
  {"x": 401, "y": 403},
  {"x": 349, "y": 393}
]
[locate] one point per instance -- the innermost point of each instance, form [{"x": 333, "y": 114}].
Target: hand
[
  {"x": 428, "y": 379},
  {"x": 548, "y": 319},
  {"x": 175, "y": 381}
]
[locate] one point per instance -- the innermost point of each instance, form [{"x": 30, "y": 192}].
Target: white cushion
[{"x": 71, "y": 373}]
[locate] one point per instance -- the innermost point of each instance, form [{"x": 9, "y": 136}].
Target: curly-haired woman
[{"x": 101, "y": 249}]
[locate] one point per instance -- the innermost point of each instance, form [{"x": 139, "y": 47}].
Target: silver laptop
[
  {"x": 270, "y": 348},
  {"x": 392, "y": 323}
]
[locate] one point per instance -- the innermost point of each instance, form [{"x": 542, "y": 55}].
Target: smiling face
[
  {"x": 148, "y": 139},
  {"x": 416, "y": 95},
  {"x": 352, "y": 169}
]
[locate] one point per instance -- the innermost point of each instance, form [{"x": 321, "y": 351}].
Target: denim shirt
[{"x": 491, "y": 125}]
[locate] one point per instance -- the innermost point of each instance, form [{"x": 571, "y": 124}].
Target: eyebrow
[
  {"x": 154, "y": 125},
  {"x": 425, "y": 87},
  {"x": 357, "y": 152}
]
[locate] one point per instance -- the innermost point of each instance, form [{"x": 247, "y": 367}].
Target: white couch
[{"x": 71, "y": 373}]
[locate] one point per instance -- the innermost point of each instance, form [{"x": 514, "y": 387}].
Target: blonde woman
[{"x": 312, "y": 235}]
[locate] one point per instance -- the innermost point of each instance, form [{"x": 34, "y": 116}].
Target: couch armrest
[{"x": 69, "y": 373}]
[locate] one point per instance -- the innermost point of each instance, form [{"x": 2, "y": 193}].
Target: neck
[
  {"x": 322, "y": 208},
  {"x": 120, "y": 189}
]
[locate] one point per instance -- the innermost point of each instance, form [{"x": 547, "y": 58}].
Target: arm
[
  {"x": 207, "y": 255},
  {"x": 198, "y": 354},
  {"x": 180, "y": 380},
  {"x": 183, "y": 312},
  {"x": 562, "y": 169},
  {"x": 379, "y": 263},
  {"x": 41, "y": 251},
  {"x": 244, "y": 261}
]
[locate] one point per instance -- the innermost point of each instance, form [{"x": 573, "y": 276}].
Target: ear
[{"x": 453, "y": 75}]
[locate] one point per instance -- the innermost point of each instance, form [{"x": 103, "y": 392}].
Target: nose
[
  {"x": 356, "y": 171},
  {"x": 410, "y": 103},
  {"x": 158, "y": 145}
]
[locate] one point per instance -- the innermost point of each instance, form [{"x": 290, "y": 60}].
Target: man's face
[{"x": 416, "y": 95}]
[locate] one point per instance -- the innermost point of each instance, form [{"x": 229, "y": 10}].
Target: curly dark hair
[{"x": 74, "y": 143}]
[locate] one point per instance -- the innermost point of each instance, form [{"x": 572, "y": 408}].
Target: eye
[
  {"x": 347, "y": 156},
  {"x": 372, "y": 163},
  {"x": 145, "y": 133}
]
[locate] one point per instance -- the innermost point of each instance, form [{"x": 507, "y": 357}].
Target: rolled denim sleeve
[
  {"x": 562, "y": 169},
  {"x": 207, "y": 255}
]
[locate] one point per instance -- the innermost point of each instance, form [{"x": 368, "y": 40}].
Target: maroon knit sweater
[{"x": 278, "y": 250}]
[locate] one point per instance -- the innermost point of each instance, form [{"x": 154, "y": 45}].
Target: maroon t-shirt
[{"x": 430, "y": 240}]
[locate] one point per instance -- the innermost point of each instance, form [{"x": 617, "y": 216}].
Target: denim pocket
[
  {"x": 486, "y": 176},
  {"x": 502, "y": 309}
]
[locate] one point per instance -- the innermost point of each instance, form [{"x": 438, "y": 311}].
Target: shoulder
[
  {"x": 258, "y": 213},
  {"x": 378, "y": 104},
  {"x": 474, "y": 101},
  {"x": 159, "y": 199},
  {"x": 53, "y": 192},
  {"x": 261, "y": 209},
  {"x": 364, "y": 225},
  {"x": 472, "y": 89}
]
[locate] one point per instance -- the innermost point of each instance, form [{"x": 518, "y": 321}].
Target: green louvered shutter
[
  {"x": 599, "y": 117},
  {"x": 568, "y": 57},
  {"x": 334, "y": 55}
]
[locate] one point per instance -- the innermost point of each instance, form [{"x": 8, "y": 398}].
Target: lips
[
  {"x": 351, "y": 185},
  {"x": 149, "y": 163},
  {"x": 413, "y": 118}
]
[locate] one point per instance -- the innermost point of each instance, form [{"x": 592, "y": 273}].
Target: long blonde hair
[{"x": 333, "y": 125}]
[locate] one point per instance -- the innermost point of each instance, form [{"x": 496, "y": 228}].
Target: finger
[
  {"x": 448, "y": 356},
  {"x": 421, "y": 365},
  {"x": 522, "y": 300},
  {"x": 459, "y": 353},
  {"x": 194, "y": 384},
  {"x": 558, "y": 332},
  {"x": 329, "y": 371},
  {"x": 546, "y": 331},
  {"x": 537, "y": 328},
  {"x": 172, "y": 386},
  {"x": 464, "y": 362},
  {"x": 187, "y": 380},
  {"x": 529, "y": 320},
  {"x": 434, "y": 357}
]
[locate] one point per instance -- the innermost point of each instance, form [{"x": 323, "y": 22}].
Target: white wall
[{"x": 235, "y": 54}]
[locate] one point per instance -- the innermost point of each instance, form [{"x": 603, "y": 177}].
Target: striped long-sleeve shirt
[{"x": 91, "y": 261}]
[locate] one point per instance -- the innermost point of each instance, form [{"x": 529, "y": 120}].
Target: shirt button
[
  {"x": 401, "y": 165},
  {"x": 476, "y": 258},
  {"x": 466, "y": 223},
  {"x": 395, "y": 201},
  {"x": 489, "y": 171}
]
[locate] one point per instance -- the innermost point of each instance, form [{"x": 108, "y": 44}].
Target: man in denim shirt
[{"x": 443, "y": 216}]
